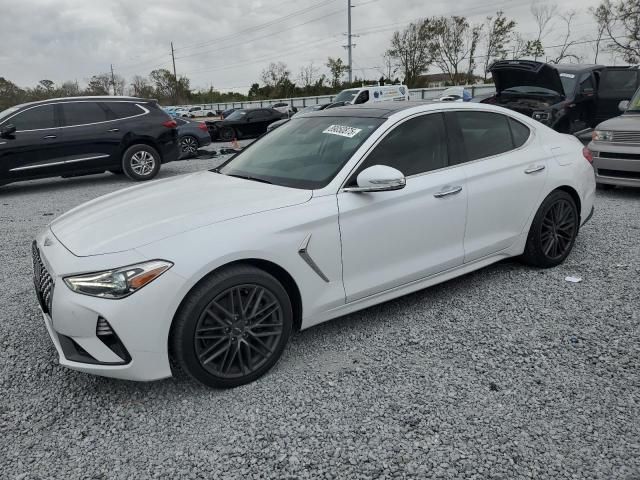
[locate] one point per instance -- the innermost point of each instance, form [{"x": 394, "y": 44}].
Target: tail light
[
  {"x": 170, "y": 124},
  {"x": 203, "y": 127},
  {"x": 588, "y": 154}
]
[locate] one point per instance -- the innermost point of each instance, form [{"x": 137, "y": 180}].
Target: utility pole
[
  {"x": 113, "y": 80},
  {"x": 349, "y": 45},
  {"x": 175, "y": 77}
]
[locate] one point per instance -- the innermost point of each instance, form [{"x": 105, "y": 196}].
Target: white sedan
[{"x": 331, "y": 213}]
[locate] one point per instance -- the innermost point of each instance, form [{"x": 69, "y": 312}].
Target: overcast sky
[{"x": 226, "y": 43}]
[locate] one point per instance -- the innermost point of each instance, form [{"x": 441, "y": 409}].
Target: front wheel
[
  {"x": 227, "y": 134},
  {"x": 553, "y": 231},
  {"x": 141, "y": 162},
  {"x": 233, "y": 327}
]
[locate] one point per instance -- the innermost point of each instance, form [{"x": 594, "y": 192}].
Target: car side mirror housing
[
  {"x": 7, "y": 130},
  {"x": 378, "y": 178},
  {"x": 623, "y": 106}
]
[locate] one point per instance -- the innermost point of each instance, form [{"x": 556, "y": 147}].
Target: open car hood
[{"x": 521, "y": 73}]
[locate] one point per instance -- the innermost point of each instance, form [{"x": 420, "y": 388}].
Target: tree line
[{"x": 463, "y": 51}]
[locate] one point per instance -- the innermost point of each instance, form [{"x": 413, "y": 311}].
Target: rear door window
[
  {"x": 484, "y": 134},
  {"x": 83, "y": 113},
  {"x": 36, "y": 118},
  {"x": 124, "y": 109},
  {"x": 618, "y": 83}
]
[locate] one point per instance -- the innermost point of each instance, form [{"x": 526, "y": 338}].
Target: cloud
[{"x": 225, "y": 44}]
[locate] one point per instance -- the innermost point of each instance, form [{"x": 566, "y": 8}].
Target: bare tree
[
  {"x": 566, "y": 42},
  {"x": 275, "y": 74},
  {"x": 337, "y": 68},
  {"x": 409, "y": 48},
  {"x": 499, "y": 31},
  {"x": 518, "y": 46},
  {"x": 474, "y": 39},
  {"x": 308, "y": 74},
  {"x": 542, "y": 13},
  {"x": 141, "y": 86},
  {"x": 598, "y": 39},
  {"x": 621, "y": 22}
]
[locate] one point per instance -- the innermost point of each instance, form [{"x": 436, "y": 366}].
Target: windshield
[
  {"x": 237, "y": 115},
  {"x": 7, "y": 112},
  {"x": 346, "y": 95},
  {"x": 569, "y": 82},
  {"x": 634, "y": 105},
  {"x": 304, "y": 153}
]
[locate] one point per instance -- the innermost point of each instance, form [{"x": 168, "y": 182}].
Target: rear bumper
[{"x": 170, "y": 151}]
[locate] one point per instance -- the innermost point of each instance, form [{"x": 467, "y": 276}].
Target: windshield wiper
[{"x": 248, "y": 177}]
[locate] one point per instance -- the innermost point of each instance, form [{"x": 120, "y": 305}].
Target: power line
[{"x": 259, "y": 26}]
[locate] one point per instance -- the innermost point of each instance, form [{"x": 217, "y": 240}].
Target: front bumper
[
  {"x": 76, "y": 323},
  {"x": 616, "y": 164}
]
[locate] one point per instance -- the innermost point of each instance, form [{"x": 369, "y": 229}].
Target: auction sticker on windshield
[{"x": 342, "y": 131}]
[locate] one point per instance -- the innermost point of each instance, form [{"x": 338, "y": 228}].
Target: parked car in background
[
  {"x": 455, "y": 94},
  {"x": 333, "y": 212},
  {"x": 310, "y": 108},
  {"x": 84, "y": 135},
  {"x": 284, "y": 107},
  {"x": 568, "y": 97},
  {"x": 243, "y": 123},
  {"x": 373, "y": 94},
  {"x": 201, "y": 111},
  {"x": 192, "y": 135},
  {"x": 615, "y": 147},
  {"x": 225, "y": 113},
  {"x": 180, "y": 112}
]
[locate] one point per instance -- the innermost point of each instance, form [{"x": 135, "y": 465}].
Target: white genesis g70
[{"x": 333, "y": 212}]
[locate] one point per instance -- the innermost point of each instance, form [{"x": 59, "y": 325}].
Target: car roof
[
  {"x": 101, "y": 98},
  {"x": 370, "y": 110}
]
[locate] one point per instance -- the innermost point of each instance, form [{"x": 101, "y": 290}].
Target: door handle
[
  {"x": 49, "y": 137},
  {"x": 537, "y": 168},
  {"x": 448, "y": 191},
  {"x": 113, "y": 130}
]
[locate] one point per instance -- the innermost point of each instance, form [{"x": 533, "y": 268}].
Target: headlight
[
  {"x": 541, "y": 116},
  {"x": 118, "y": 283},
  {"x": 602, "y": 136}
]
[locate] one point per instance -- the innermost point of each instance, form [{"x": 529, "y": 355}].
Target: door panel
[
  {"x": 90, "y": 141},
  {"x": 30, "y": 154},
  {"x": 392, "y": 238}
]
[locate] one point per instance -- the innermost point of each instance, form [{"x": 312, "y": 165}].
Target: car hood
[
  {"x": 629, "y": 122},
  {"x": 139, "y": 215},
  {"x": 520, "y": 73}
]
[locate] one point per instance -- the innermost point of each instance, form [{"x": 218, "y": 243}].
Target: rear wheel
[
  {"x": 233, "y": 327},
  {"x": 141, "y": 162},
  {"x": 553, "y": 231},
  {"x": 189, "y": 146},
  {"x": 227, "y": 134}
]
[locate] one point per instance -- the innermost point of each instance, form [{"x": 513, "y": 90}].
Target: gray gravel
[{"x": 506, "y": 373}]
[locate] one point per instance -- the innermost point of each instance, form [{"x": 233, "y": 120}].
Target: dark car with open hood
[
  {"x": 244, "y": 123},
  {"x": 68, "y": 137},
  {"x": 566, "y": 97}
]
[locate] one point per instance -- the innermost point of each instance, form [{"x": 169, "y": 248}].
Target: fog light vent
[{"x": 103, "y": 328}]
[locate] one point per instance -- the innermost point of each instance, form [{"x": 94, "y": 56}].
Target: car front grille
[
  {"x": 619, "y": 174},
  {"x": 42, "y": 280},
  {"x": 626, "y": 137},
  {"x": 620, "y": 156}
]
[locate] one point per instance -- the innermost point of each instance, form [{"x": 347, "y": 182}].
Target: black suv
[
  {"x": 568, "y": 98},
  {"x": 79, "y": 136}
]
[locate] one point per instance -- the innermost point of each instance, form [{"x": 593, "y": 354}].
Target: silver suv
[{"x": 615, "y": 146}]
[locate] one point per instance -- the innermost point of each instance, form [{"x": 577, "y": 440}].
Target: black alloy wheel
[
  {"x": 553, "y": 231},
  {"x": 189, "y": 146},
  {"x": 233, "y": 327},
  {"x": 238, "y": 331},
  {"x": 227, "y": 134}
]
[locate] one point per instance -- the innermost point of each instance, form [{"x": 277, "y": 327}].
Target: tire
[
  {"x": 227, "y": 134},
  {"x": 210, "y": 114},
  {"x": 605, "y": 186},
  {"x": 141, "y": 162},
  {"x": 229, "y": 351},
  {"x": 189, "y": 146},
  {"x": 553, "y": 231}
]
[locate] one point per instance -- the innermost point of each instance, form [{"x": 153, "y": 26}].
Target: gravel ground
[{"x": 506, "y": 373}]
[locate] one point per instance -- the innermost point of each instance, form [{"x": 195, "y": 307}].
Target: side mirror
[
  {"x": 623, "y": 106},
  {"x": 378, "y": 178},
  {"x": 7, "y": 130}
]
